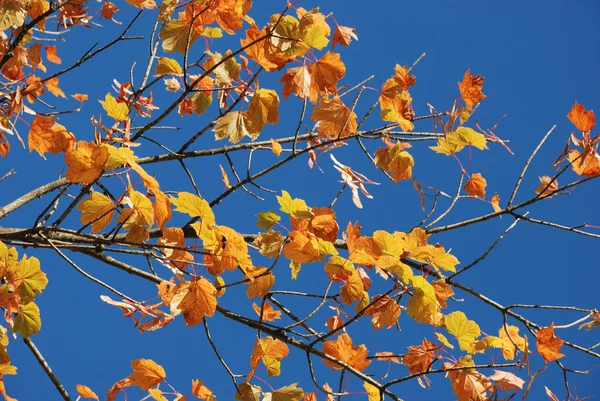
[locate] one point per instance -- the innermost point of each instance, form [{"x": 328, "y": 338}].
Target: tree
[{"x": 315, "y": 301}]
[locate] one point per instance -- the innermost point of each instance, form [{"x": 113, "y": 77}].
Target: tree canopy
[{"x": 221, "y": 194}]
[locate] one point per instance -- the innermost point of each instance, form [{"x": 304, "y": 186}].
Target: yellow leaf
[
  {"x": 98, "y": 209},
  {"x": 372, "y": 392},
  {"x": 167, "y": 66},
  {"x": 114, "y": 109},
  {"x": 270, "y": 351},
  {"x": 466, "y": 331},
  {"x": 422, "y": 306},
  {"x": 196, "y": 299},
  {"x": 28, "y": 321},
  {"x": 266, "y": 220},
  {"x": 296, "y": 208},
  {"x": 33, "y": 280},
  {"x": 11, "y": 14},
  {"x": 442, "y": 338},
  {"x": 157, "y": 395},
  {"x": 464, "y": 136},
  {"x": 276, "y": 147},
  {"x": 174, "y": 35},
  {"x": 52, "y": 85},
  {"x": 436, "y": 256},
  {"x": 235, "y": 126},
  {"x": 194, "y": 206},
  {"x": 212, "y": 32},
  {"x": 315, "y": 37},
  {"x": 146, "y": 373},
  {"x": 287, "y": 393},
  {"x": 118, "y": 157},
  {"x": 263, "y": 109},
  {"x": 85, "y": 392}
]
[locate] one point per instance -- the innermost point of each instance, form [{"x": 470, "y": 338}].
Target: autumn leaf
[
  {"x": 443, "y": 291},
  {"x": 295, "y": 207},
  {"x": 335, "y": 119},
  {"x": 470, "y": 89},
  {"x": 269, "y": 243},
  {"x": 268, "y": 313},
  {"x": 301, "y": 248},
  {"x": 98, "y": 209},
  {"x": 52, "y": 86},
  {"x": 262, "y": 282},
  {"x": 595, "y": 316},
  {"x": 496, "y": 203},
  {"x": 270, "y": 351},
  {"x": 201, "y": 391},
  {"x": 196, "y": 299},
  {"x": 45, "y": 135},
  {"x": 476, "y": 185},
  {"x": 373, "y": 392},
  {"x": 276, "y": 147},
  {"x": 547, "y": 186},
  {"x": 31, "y": 277},
  {"x": 384, "y": 312},
  {"x": 263, "y": 109},
  {"x": 234, "y": 125},
  {"x": 343, "y": 350},
  {"x": 194, "y": 206},
  {"x": 51, "y": 55},
  {"x": 468, "y": 384},
  {"x": 419, "y": 358},
  {"x": 114, "y": 109},
  {"x": 466, "y": 331},
  {"x": 85, "y": 392},
  {"x": 343, "y": 35},
  {"x": 167, "y": 66},
  {"x": 507, "y": 381},
  {"x": 146, "y": 373},
  {"x": 422, "y": 306},
  {"x": 28, "y": 321},
  {"x": 86, "y": 162},
  {"x": 548, "y": 344},
  {"x": 174, "y": 35},
  {"x": 582, "y": 119},
  {"x": 325, "y": 74},
  {"x": 511, "y": 341},
  {"x": 287, "y": 393},
  {"x": 296, "y": 80}
]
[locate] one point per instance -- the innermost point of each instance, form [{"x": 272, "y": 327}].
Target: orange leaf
[
  {"x": 582, "y": 119},
  {"x": 468, "y": 384},
  {"x": 301, "y": 248},
  {"x": 51, "y": 55},
  {"x": 470, "y": 89},
  {"x": 443, "y": 291},
  {"x": 384, "y": 313},
  {"x": 335, "y": 119},
  {"x": 276, "y": 147},
  {"x": 496, "y": 203},
  {"x": 261, "y": 284},
  {"x": 403, "y": 77},
  {"x": 108, "y": 10},
  {"x": 80, "y": 97},
  {"x": 419, "y": 358},
  {"x": 268, "y": 313},
  {"x": 112, "y": 392},
  {"x": 476, "y": 185},
  {"x": 547, "y": 186},
  {"x": 296, "y": 80},
  {"x": 387, "y": 356},
  {"x": 85, "y": 391},
  {"x": 263, "y": 109},
  {"x": 45, "y": 135},
  {"x": 270, "y": 351},
  {"x": 86, "y": 162},
  {"x": 343, "y": 35},
  {"x": 325, "y": 74},
  {"x": 548, "y": 344},
  {"x": 196, "y": 299},
  {"x": 343, "y": 350},
  {"x": 52, "y": 85},
  {"x": 146, "y": 373},
  {"x": 201, "y": 391},
  {"x": 98, "y": 209}
]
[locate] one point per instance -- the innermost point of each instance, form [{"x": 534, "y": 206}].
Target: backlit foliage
[{"x": 390, "y": 279}]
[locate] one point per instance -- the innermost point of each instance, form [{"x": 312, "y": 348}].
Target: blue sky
[{"x": 537, "y": 59}]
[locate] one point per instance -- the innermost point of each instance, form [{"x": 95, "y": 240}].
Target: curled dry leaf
[{"x": 547, "y": 186}]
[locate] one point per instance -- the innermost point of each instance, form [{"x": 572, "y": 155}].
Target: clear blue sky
[{"x": 538, "y": 58}]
